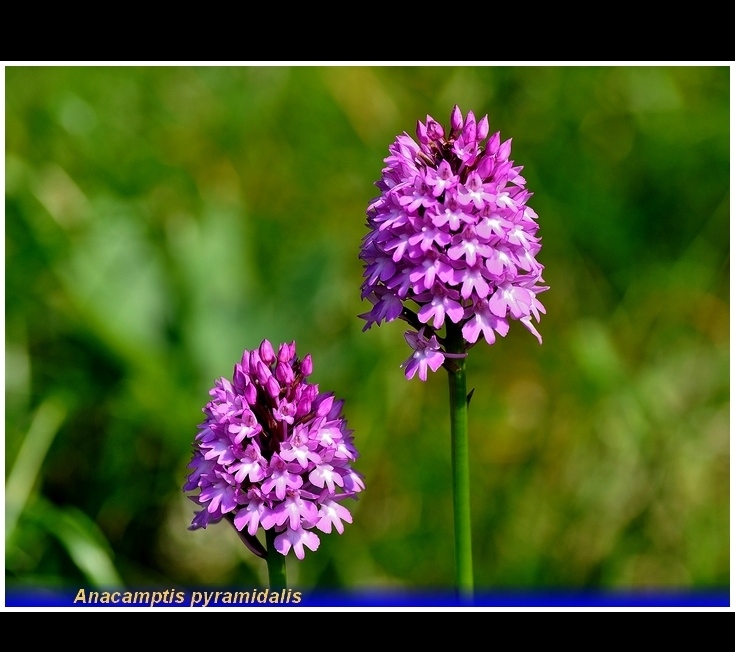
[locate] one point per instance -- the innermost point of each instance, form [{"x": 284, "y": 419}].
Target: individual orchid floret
[{"x": 427, "y": 354}]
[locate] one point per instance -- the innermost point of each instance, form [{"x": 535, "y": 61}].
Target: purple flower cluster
[
  {"x": 451, "y": 232},
  {"x": 273, "y": 452}
]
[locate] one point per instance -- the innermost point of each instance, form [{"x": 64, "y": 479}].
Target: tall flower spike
[
  {"x": 451, "y": 238},
  {"x": 274, "y": 453}
]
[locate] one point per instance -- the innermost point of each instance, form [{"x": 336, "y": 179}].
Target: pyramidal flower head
[
  {"x": 451, "y": 239},
  {"x": 273, "y": 452}
]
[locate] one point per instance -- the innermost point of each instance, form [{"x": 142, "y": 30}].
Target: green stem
[
  {"x": 276, "y": 563},
  {"x": 460, "y": 463}
]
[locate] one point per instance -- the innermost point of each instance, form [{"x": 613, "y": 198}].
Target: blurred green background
[{"x": 161, "y": 219}]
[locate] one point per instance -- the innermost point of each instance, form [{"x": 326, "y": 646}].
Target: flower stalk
[
  {"x": 458, "y": 408},
  {"x": 276, "y": 563}
]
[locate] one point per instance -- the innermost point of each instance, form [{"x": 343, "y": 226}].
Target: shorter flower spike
[{"x": 273, "y": 452}]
